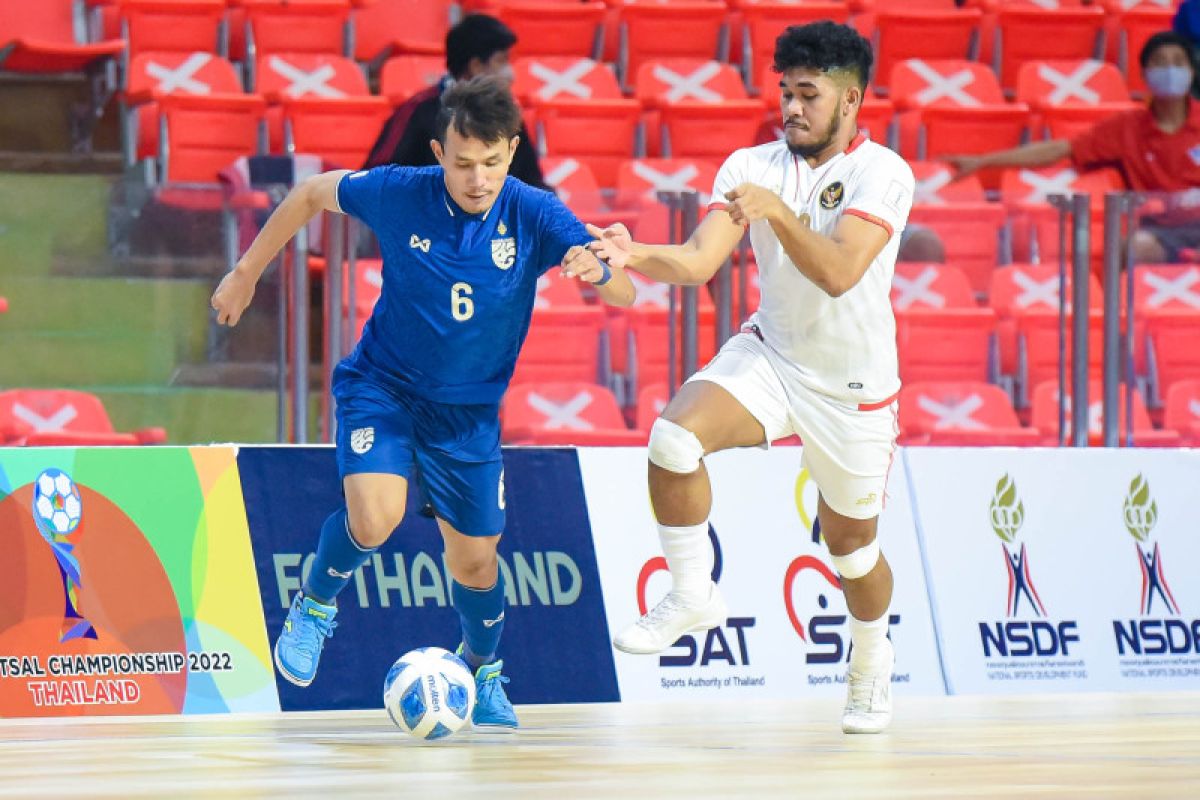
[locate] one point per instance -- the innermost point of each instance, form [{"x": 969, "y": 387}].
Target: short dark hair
[
  {"x": 1165, "y": 39},
  {"x": 825, "y": 46},
  {"x": 476, "y": 36},
  {"x": 482, "y": 108}
]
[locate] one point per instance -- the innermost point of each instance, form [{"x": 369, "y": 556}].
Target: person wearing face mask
[
  {"x": 478, "y": 45},
  {"x": 1155, "y": 148}
]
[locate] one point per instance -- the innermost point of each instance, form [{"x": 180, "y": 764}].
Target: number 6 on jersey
[{"x": 461, "y": 305}]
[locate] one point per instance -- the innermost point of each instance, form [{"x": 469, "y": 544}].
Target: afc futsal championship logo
[
  {"x": 1014, "y": 636},
  {"x": 57, "y": 512},
  {"x": 1159, "y": 631}
]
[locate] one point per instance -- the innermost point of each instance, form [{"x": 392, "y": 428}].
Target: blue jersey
[{"x": 458, "y": 288}]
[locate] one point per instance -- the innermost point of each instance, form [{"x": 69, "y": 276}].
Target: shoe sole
[
  {"x": 858, "y": 729},
  {"x": 287, "y": 676},
  {"x": 697, "y": 628}
]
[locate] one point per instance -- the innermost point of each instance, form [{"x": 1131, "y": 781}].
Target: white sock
[
  {"x": 690, "y": 559},
  {"x": 870, "y": 651}
]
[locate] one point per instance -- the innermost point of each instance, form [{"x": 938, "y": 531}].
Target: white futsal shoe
[
  {"x": 658, "y": 629},
  {"x": 869, "y": 697}
]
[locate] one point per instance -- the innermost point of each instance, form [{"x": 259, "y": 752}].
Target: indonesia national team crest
[{"x": 504, "y": 250}]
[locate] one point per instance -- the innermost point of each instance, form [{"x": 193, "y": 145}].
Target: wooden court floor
[{"x": 1087, "y": 746}]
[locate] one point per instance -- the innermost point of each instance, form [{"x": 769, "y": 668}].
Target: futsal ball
[
  {"x": 56, "y": 503},
  {"x": 429, "y": 693}
]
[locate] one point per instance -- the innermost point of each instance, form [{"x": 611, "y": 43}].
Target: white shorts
[{"x": 848, "y": 448}]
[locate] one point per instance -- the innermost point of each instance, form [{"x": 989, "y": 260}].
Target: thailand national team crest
[
  {"x": 831, "y": 195},
  {"x": 362, "y": 439},
  {"x": 504, "y": 250}
]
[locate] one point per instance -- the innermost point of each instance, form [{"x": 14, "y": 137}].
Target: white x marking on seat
[
  {"x": 1194, "y": 407},
  {"x": 952, "y": 415},
  {"x": 563, "y": 415},
  {"x": 926, "y": 191},
  {"x": 182, "y": 77},
  {"x": 1041, "y": 186},
  {"x": 303, "y": 82},
  {"x": 940, "y": 85},
  {"x": 907, "y": 292},
  {"x": 1168, "y": 289},
  {"x": 678, "y": 181},
  {"x": 559, "y": 174},
  {"x": 1071, "y": 86},
  {"x": 567, "y": 81},
  {"x": 543, "y": 283},
  {"x": 54, "y": 422},
  {"x": 689, "y": 86},
  {"x": 650, "y": 293},
  {"x": 1095, "y": 415},
  {"x": 373, "y": 277},
  {"x": 1034, "y": 291}
]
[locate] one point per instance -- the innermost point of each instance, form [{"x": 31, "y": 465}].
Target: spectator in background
[
  {"x": 477, "y": 45},
  {"x": 1156, "y": 148},
  {"x": 1187, "y": 25}
]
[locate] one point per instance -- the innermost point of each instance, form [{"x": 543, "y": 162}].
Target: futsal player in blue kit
[{"x": 463, "y": 246}]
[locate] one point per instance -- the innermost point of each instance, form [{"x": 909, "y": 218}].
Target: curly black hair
[{"x": 825, "y": 46}]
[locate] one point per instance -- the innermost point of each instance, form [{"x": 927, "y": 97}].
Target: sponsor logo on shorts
[
  {"x": 362, "y": 439},
  {"x": 870, "y": 500}
]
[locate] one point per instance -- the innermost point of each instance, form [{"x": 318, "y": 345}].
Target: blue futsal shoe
[
  {"x": 492, "y": 709},
  {"x": 298, "y": 648}
]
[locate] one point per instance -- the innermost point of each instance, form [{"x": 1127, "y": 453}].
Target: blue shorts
[{"x": 454, "y": 450}]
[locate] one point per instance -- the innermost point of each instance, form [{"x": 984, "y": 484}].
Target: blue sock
[
  {"x": 481, "y": 612},
  {"x": 338, "y": 555}
]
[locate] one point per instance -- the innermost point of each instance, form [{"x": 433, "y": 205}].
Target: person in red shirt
[{"x": 1156, "y": 148}]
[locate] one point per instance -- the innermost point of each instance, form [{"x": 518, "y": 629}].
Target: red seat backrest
[
  {"x": 49, "y": 410},
  {"x": 955, "y": 405},
  {"x": 316, "y": 75},
  {"x": 918, "y": 285},
  {"x": 918, "y": 83},
  {"x": 561, "y": 405},
  {"x": 1086, "y": 81},
  {"x": 542, "y": 79},
  {"x": 662, "y": 81}
]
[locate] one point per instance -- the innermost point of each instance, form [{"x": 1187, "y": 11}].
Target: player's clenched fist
[
  {"x": 750, "y": 203},
  {"x": 580, "y": 263},
  {"x": 232, "y": 296}
]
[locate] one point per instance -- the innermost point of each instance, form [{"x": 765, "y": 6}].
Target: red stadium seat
[
  {"x": 1135, "y": 26},
  {"x": 1023, "y": 288},
  {"x": 339, "y": 130},
  {"x": 404, "y": 76},
  {"x": 961, "y": 109},
  {"x": 151, "y": 76},
  {"x": 40, "y": 36},
  {"x": 651, "y": 401},
  {"x": 956, "y": 344},
  {"x": 555, "y": 28},
  {"x": 957, "y": 211},
  {"x": 45, "y": 417},
  {"x": 644, "y": 355},
  {"x": 599, "y": 133},
  {"x": 555, "y": 290},
  {"x": 640, "y": 180},
  {"x": 904, "y": 32},
  {"x": 697, "y": 108},
  {"x": 205, "y": 134},
  {"x": 651, "y": 30},
  {"x": 172, "y": 26},
  {"x": 1171, "y": 350},
  {"x": 386, "y": 27},
  {"x": 561, "y": 413},
  {"x": 575, "y": 185},
  {"x": 930, "y": 286},
  {"x": 960, "y": 413},
  {"x": 1036, "y": 222},
  {"x": 314, "y": 76},
  {"x": 1032, "y": 33},
  {"x": 544, "y": 79},
  {"x": 1038, "y": 350},
  {"x": 1069, "y": 97},
  {"x": 1045, "y": 417},
  {"x": 311, "y": 26},
  {"x": 764, "y": 20},
  {"x": 564, "y": 344},
  {"x": 1183, "y": 411}
]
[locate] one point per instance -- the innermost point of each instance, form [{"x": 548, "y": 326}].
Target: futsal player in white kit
[{"x": 825, "y": 209}]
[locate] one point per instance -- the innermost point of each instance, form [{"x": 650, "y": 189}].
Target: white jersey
[{"x": 844, "y": 346}]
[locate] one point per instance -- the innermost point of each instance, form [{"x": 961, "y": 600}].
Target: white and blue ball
[
  {"x": 57, "y": 506},
  {"x": 429, "y": 693}
]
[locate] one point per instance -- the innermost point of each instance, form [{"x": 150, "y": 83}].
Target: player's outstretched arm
[
  {"x": 305, "y": 201},
  {"x": 612, "y": 284},
  {"x": 689, "y": 264}
]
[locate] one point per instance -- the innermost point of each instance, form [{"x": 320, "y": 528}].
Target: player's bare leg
[
  {"x": 478, "y": 595},
  {"x": 867, "y": 584},
  {"x": 702, "y": 418},
  {"x": 374, "y": 507}
]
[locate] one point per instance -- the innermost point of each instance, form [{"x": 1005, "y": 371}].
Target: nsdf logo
[
  {"x": 1015, "y": 637},
  {"x": 726, "y": 645},
  {"x": 1159, "y": 629}
]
